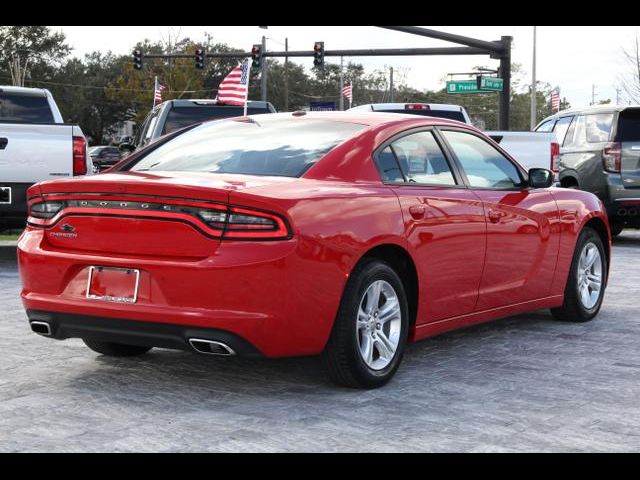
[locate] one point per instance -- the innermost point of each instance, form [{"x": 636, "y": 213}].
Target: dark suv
[{"x": 600, "y": 153}]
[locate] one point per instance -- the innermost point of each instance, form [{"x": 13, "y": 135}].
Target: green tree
[{"x": 23, "y": 47}]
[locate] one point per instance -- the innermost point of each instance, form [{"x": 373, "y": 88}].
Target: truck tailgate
[{"x": 35, "y": 152}]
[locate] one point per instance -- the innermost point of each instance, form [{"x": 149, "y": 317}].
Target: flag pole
[
  {"x": 246, "y": 96},
  {"x": 155, "y": 89}
]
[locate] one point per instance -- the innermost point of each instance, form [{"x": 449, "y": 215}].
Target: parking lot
[{"x": 519, "y": 384}]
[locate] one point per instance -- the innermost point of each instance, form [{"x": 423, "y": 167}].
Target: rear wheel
[
  {"x": 115, "y": 349},
  {"x": 587, "y": 280},
  {"x": 370, "y": 332}
]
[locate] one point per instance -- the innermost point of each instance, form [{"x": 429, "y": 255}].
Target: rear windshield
[
  {"x": 180, "y": 117},
  {"x": 24, "y": 108},
  {"x": 448, "y": 114},
  {"x": 276, "y": 147},
  {"x": 629, "y": 125}
]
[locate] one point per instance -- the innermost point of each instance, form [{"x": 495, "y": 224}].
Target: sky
[{"x": 572, "y": 58}]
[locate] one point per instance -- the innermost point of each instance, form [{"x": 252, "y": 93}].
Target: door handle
[
  {"x": 495, "y": 216},
  {"x": 417, "y": 211},
  {"x": 3, "y": 143}
]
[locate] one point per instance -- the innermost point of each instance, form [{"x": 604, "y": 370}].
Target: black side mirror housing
[{"x": 540, "y": 178}]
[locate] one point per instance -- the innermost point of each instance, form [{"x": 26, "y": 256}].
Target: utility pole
[
  {"x": 341, "y": 84},
  {"x": 618, "y": 96},
  {"x": 391, "y": 95},
  {"x": 286, "y": 76},
  {"x": 593, "y": 94},
  {"x": 263, "y": 73},
  {"x": 534, "y": 93}
]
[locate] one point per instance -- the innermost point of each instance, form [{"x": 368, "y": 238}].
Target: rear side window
[
  {"x": 283, "y": 147},
  {"x": 598, "y": 127},
  {"x": 422, "y": 160},
  {"x": 629, "y": 126},
  {"x": 180, "y": 117},
  {"x": 388, "y": 166},
  {"x": 24, "y": 108}
]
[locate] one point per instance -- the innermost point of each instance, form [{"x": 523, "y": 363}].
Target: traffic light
[
  {"x": 137, "y": 59},
  {"x": 199, "y": 57},
  {"x": 256, "y": 55},
  {"x": 318, "y": 54}
]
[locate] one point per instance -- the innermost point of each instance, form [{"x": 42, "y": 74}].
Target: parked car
[
  {"x": 340, "y": 234},
  {"x": 35, "y": 145},
  {"x": 600, "y": 153},
  {"x": 531, "y": 150},
  {"x": 173, "y": 115},
  {"x": 104, "y": 156}
]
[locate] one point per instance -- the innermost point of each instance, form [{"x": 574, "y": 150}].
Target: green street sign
[
  {"x": 491, "y": 84},
  {"x": 463, "y": 86}
]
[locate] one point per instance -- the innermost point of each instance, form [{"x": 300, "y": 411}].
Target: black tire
[
  {"x": 341, "y": 356},
  {"x": 573, "y": 309},
  {"x": 616, "y": 229},
  {"x": 115, "y": 349}
]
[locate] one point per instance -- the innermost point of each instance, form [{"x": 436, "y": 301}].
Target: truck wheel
[
  {"x": 587, "y": 280},
  {"x": 370, "y": 331},
  {"x": 115, "y": 349}
]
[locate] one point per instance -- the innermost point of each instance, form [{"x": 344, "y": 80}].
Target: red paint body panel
[{"x": 282, "y": 296}]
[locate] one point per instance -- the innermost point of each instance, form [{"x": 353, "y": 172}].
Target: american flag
[
  {"x": 234, "y": 89},
  {"x": 555, "y": 101},
  {"x": 157, "y": 94},
  {"x": 347, "y": 91}
]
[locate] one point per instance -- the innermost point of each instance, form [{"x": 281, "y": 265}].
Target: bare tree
[{"x": 631, "y": 81}]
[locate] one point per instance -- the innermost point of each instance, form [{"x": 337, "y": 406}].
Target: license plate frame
[
  {"x": 111, "y": 298},
  {"x": 5, "y": 195}
]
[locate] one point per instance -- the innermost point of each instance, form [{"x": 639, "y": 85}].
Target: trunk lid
[{"x": 141, "y": 213}]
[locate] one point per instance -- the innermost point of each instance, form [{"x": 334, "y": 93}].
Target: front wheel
[
  {"x": 587, "y": 280},
  {"x": 370, "y": 332}
]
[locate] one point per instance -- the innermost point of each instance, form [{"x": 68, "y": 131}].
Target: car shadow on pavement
[
  {"x": 628, "y": 238},
  {"x": 193, "y": 380}
]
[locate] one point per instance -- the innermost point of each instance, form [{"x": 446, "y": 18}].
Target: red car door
[
  {"x": 522, "y": 224},
  {"x": 444, "y": 224}
]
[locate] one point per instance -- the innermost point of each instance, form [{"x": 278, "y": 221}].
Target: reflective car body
[{"x": 465, "y": 254}]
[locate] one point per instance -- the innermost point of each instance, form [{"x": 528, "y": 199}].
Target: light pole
[{"x": 534, "y": 93}]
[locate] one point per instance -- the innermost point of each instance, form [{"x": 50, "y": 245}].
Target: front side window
[
  {"x": 422, "y": 160},
  {"x": 274, "y": 147},
  {"x": 484, "y": 166}
]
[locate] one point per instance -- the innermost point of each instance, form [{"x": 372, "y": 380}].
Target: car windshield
[
  {"x": 180, "y": 117},
  {"x": 285, "y": 147}
]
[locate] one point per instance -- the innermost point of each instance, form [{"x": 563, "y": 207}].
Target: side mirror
[
  {"x": 540, "y": 178},
  {"x": 126, "y": 147}
]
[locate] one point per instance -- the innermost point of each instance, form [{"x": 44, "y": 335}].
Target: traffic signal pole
[{"x": 263, "y": 71}]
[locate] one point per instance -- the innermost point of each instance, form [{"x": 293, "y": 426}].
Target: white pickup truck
[
  {"x": 35, "y": 145},
  {"x": 530, "y": 149}
]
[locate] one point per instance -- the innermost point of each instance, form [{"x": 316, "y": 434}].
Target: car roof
[
  {"x": 210, "y": 102},
  {"x": 35, "y": 92},
  {"x": 378, "y": 107}
]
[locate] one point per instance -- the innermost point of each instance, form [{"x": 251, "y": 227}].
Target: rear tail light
[
  {"x": 79, "y": 156},
  {"x": 417, "y": 106},
  {"x": 222, "y": 222},
  {"x": 555, "y": 156},
  {"x": 45, "y": 210},
  {"x": 612, "y": 157}
]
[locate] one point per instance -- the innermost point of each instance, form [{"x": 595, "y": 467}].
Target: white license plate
[
  {"x": 5, "y": 195},
  {"x": 110, "y": 284}
]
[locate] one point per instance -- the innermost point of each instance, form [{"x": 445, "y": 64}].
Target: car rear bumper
[
  {"x": 268, "y": 295},
  {"x": 129, "y": 332}
]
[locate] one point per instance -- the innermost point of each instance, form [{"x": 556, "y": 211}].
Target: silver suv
[{"x": 600, "y": 153}]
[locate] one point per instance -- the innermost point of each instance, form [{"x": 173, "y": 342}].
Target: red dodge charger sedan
[{"x": 345, "y": 235}]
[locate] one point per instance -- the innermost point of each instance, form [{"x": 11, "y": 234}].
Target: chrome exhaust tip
[
  {"x": 211, "y": 347},
  {"x": 41, "y": 328}
]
